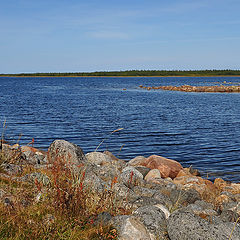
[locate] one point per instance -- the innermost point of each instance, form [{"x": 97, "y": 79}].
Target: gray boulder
[
  {"x": 144, "y": 192},
  {"x": 116, "y": 161},
  {"x": 69, "y": 153},
  {"x": 131, "y": 177},
  {"x": 143, "y": 170},
  {"x": 153, "y": 219},
  {"x": 137, "y": 161},
  {"x": 151, "y": 195},
  {"x": 95, "y": 184},
  {"x": 98, "y": 158},
  {"x": 123, "y": 193},
  {"x": 231, "y": 212},
  {"x": 107, "y": 173},
  {"x": 130, "y": 228},
  {"x": 202, "y": 209},
  {"x": 187, "y": 226},
  {"x": 184, "y": 197}
]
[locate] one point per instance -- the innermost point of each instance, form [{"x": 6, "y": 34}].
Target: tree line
[{"x": 134, "y": 73}]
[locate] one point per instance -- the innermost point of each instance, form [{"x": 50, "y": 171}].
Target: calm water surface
[{"x": 199, "y": 129}]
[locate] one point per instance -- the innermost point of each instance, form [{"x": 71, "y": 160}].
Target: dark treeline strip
[{"x": 134, "y": 73}]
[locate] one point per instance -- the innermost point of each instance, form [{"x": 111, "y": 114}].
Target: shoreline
[
  {"x": 35, "y": 76},
  {"x": 153, "y": 196}
]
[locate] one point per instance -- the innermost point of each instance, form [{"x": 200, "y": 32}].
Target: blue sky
[{"x": 96, "y": 35}]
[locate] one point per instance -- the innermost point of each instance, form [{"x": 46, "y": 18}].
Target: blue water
[{"x": 198, "y": 129}]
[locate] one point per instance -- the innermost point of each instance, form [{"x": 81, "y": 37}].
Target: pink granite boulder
[{"x": 167, "y": 167}]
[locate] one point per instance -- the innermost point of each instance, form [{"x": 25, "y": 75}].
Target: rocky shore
[
  {"x": 188, "y": 88},
  {"x": 156, "y": 197}
]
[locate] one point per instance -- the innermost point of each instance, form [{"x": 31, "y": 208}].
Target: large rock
[
  {"x": 123, "y": 193},
  {"x": 167, "y": 167},
  {"x": 108, "y": 173},
  {"x": 152, "y": 174},
  {"x": 95, "y": 184},
  {"x": 130, "y": 228},
  {"x": 184, "y": 197},
  {"x": 143, "y": 170},
  {"x": 187, "y": 226},
  {"x": 116, "y": 161},
  {"x": 69, "y": 153},
  {"x": 153, "y": 219},
  {"x": 137, "y": 161},
  {"x": 98, "y": 158},
  {"x": 144, "y": 192},
  {"x": 202, "y": 209},
  {"x": 131, "y": 177}
]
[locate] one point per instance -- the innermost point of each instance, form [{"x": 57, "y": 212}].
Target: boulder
[
  {"x": 143, "y": 170},
  {"x": 220, "y": 183},
  {"x": 66, "y": 152},
  {"x": 230, "y": 212},
  {"x": 164, "y": 210},
  {"x": 98, "y": 158},
  {"x": 184, "y": 172},
  {"x": 153, "y": 219},
  {"x": 137, "y": 161},
  {"x": 131, "y": 177},
  {"x": 202, "y": 209},
  {"x": 145, "y": 192},
  {"x": 143, "y": 201},
  {"x": 94, "y": 183},
  {"x": 123, "y": 193},
  {"x": 187, "y": 226},
  {"x": 108, "y": 173},
  {"x": 167, "y": 167},
  {"x": 184, "y": 197},
  {"x": 152, "y": 174},
  {"x": 221, "y": 200},
  {"x": 130, "y": 228},
  {"x": 116, "y": 161}
]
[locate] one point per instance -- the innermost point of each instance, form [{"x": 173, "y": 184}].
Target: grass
[{"x": 65, "y": 208}]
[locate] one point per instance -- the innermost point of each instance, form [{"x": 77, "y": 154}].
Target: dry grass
[{"x": 66, "y": 208}]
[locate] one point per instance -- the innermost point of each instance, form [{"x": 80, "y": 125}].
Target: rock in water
[{"x": 167, "y": 167}]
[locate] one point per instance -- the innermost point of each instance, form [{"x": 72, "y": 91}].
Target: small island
[{"x": 189, "y": 88}]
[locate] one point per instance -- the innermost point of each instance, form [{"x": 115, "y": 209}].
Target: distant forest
[{"x": 133, "y": 73}]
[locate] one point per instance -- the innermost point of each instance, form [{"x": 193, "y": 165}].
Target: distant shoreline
[
  {"x": 36, "y": 76},
  {"x": 134, "y": 73}
]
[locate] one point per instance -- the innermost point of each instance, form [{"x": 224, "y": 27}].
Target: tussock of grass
[{"x": 66, "y": 209}]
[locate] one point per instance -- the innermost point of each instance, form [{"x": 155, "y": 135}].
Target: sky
[{"x": 109, "y": 35}]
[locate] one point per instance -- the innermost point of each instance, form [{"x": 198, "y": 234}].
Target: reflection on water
[{"x": 199, "y": 129}]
